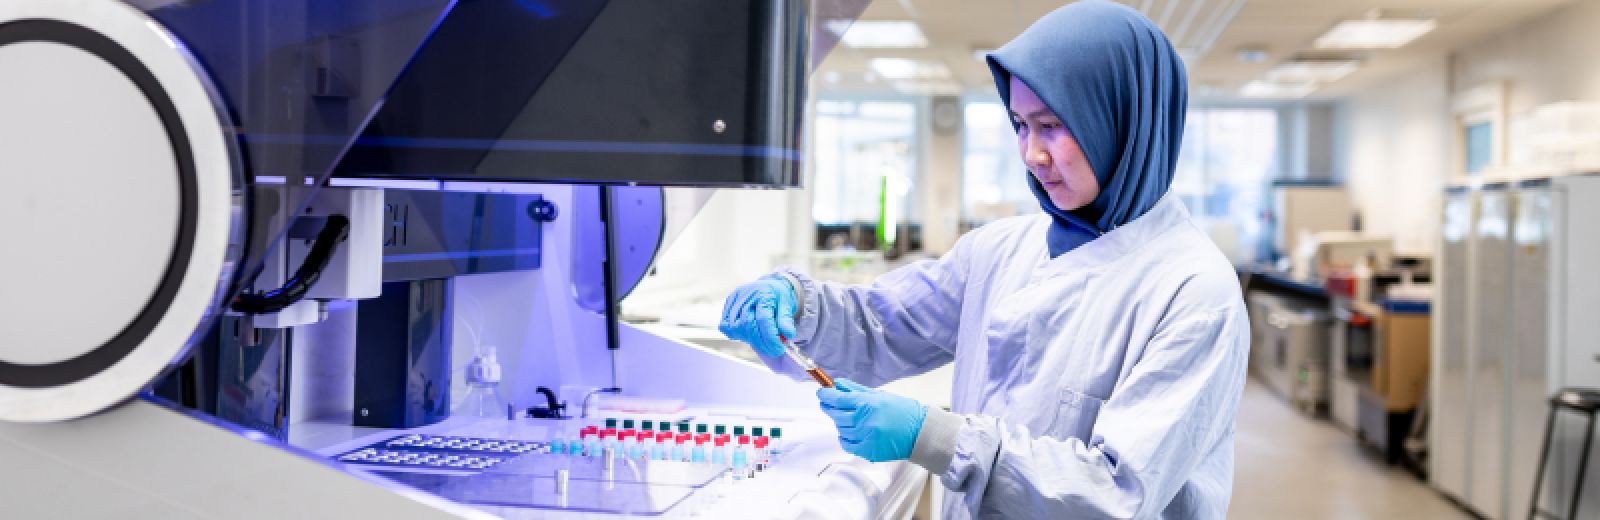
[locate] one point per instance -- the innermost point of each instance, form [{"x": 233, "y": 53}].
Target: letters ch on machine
[{"x": 364, "y": 258}]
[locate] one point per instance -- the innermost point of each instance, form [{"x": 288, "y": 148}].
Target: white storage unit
[
  {"x": 1489, "y": 339},
  {"x": 1449, "y": 431},
  {"x": 1574, "y": 325},
  {"x": 1527, "y": 366},
  {"x": 1518, "y": 296}
]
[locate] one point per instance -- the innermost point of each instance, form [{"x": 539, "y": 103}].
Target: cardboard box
[
  {"x": 1404, "y": 348},
  {"x": 1400, "y": 363}
]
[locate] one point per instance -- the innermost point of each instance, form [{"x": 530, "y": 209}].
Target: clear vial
[
  {"x": 483, "y": 386},
  {"x": 698, "y": 454},
  {"x": 719, "y": 453},
  {"x": 775, "y": 445},
  {"x": 741, "y": 462},
  {"x": 658, "y": 449},
  {"x": 679, "y": 453}
]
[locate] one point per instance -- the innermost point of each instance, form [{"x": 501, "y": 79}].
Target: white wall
[
  {"x": 1396, "y": 141},
  {"x": 940, "y": 174},
  {"x": 1306, "y": 146},
  {"x": 1547, "y": 59},
  {"x": 1396, "y": 154}
]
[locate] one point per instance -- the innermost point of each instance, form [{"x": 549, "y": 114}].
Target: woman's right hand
[{"x": 757, "y": 312}]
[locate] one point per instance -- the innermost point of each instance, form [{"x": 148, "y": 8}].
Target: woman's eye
[{"x": 1050, "y": 125}]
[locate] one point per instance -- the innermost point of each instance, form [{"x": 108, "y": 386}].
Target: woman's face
[{"x": 1050, "y": 152}]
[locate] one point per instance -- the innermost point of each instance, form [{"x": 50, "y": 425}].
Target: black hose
[{"x": 334, "y": 232}]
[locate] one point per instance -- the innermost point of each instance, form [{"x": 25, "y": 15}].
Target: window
[
  {"x": 1479, "y": 146},
  {"x": 1229, "y": 158},
  {"x": 862, "y": 149},
  {"x": 994, "y": 183}
]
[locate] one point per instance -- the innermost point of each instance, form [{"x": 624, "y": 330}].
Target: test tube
[
  {"x": 630, "y": 444},
  {"x": 806, "y": 363},
  {"x": 659, "y": 451},
  {"x": 741, "y": 460},
  {"x": 719, "y": 452},
  {"x": 763, "y": 457},
  {"x": 586, "y": 436},
  {"x": 643, "y": 446},
  {"x": 698, "y": 453}
]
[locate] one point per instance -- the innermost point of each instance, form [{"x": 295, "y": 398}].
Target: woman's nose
[{"x": 1034, "y": 154}]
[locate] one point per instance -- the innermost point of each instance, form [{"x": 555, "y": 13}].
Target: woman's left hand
[{"x": 873, "y": 424}]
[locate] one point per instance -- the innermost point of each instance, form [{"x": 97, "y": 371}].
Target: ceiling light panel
[
  {"x": 879, "y": 34},
  {"x": 902, "y": 68},
  {"x": 927, "y": 88},
  {"x": 1268, "y": 89},
  {"x": 1377, "y": 33},
  {"x": 1312, "y": 71}
]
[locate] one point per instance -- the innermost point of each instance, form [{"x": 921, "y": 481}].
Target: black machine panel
[
  {"x": 403, "y": 355},
  {"x": 688, "y": 92},
  {"x": 440, "y": 234}
]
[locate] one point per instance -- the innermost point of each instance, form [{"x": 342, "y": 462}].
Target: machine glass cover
[
  {"x": 692, "y": 92},
  {"x": 300, "y": 79},
  {"x": 695, "y": 92}
]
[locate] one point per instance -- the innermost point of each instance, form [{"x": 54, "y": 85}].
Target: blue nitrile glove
[
  {"x": 873, "y": 424},
  {"x": 757, "y": 312}
]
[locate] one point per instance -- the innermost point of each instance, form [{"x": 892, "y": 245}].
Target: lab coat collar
[{"x": 1119, "y": 242}]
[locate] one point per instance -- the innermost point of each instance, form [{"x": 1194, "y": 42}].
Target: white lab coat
[{"x": 1102, "y": 383}]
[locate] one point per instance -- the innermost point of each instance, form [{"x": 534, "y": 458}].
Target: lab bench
[
  {"x": 1363, "y": 365},
  {"x": 811, "y": 477},
  {"x": 1395, "y": 380}
]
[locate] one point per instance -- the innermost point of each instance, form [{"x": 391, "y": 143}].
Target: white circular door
[{"x": 118, "y": 181}]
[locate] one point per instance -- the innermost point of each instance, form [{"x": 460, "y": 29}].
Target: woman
[{"x": 1099, "y": 347}]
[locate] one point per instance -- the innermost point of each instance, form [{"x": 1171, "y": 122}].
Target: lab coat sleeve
[
  {"x": 1176, "y": 406},
  {"x": 902, "y": 324}
]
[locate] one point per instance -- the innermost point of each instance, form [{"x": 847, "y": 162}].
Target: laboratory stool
[{"x": 1582, "y": 400}]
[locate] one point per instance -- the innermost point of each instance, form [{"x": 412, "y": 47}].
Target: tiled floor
[{"x": 1291, "y": 466}]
